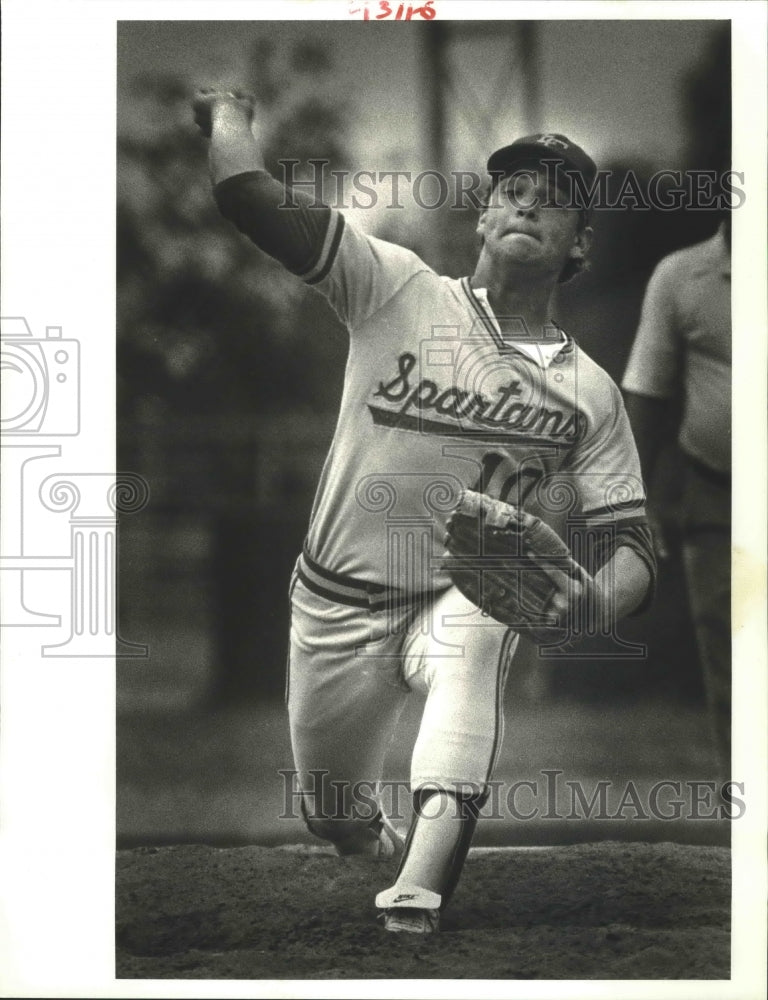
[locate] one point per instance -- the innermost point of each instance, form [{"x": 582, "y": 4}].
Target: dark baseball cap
[{"x": 544, "y": 146}]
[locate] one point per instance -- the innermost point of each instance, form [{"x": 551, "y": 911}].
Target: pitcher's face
[{"x": 527, "y": 222}]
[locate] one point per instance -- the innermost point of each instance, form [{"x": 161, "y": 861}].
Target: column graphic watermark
[{"x": 41, "y": 403}]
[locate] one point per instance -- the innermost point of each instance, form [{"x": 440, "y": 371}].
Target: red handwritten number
[{"x": 426, "y": 11}]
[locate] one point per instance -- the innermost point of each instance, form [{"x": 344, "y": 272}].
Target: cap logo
[{"x": 552, "y": 140}]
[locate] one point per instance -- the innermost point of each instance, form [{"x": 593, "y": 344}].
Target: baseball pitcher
[{"x": 469, "y": 424}]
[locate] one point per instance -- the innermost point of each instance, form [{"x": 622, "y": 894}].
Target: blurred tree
[
  {"x": 214, "y": 339},
  {"x": 195, "y": 299}
]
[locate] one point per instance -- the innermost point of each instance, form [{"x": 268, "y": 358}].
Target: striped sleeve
[
  {"x": 598, "y": 545},
  {"x": 607, "y": 469},
  {"x": 290, "y": 226},
  {"x": 357, "y": 273}
]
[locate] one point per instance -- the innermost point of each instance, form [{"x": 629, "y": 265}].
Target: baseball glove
[{"x": 515, "y": 568}]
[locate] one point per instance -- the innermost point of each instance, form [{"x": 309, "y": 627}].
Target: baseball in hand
[{"x": 208, "y": 101}]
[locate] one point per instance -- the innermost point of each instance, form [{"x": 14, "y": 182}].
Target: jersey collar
[{"x": 541, "y": 352}]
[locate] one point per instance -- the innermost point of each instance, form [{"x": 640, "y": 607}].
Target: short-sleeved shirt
[
  {"x": 435, "y": 399},
  {"x": 683, "y": 345}
]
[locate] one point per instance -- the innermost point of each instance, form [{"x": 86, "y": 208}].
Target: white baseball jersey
[{"x": 435, "y": 400}]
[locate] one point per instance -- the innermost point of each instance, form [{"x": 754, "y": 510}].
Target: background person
[{"x": 680, "y": 368}]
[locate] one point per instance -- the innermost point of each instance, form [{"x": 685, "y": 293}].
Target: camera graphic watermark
[
  {"x": 41, "y": 381},
  {"x": 505, "y": 421},
  {"x": 41, "y": 403}
]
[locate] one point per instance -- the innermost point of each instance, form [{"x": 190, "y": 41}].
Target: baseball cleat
[
  {"x": 409, "y": 910},
  {"x": 401, "y": 921}
]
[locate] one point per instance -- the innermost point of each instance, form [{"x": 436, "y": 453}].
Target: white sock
[{"x": 437, "y": 837}]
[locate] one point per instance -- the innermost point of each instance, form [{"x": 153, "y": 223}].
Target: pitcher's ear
[{"x": 582, "y": 243}]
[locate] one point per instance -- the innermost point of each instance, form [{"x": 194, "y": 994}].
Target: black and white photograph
[{"x": 383, "y": 442}]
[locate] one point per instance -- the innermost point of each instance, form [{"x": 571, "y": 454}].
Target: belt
[{"x": 349, "y": 590}]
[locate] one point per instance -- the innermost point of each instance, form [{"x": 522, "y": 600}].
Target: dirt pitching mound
[{"x": 590, "y": 911}]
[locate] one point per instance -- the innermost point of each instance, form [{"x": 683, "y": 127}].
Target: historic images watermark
[
  {"x": 41, "y": 403},
  {"x": 666, "y": 190},
  {"x": 549, "y": 795}
]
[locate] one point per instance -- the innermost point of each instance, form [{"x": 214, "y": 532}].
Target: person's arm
[
  {"x": 614, "y": 545},
  {"x": 619, "y": 588},
  {"x": 622, "y": 584},
  {"x": 356, "y": 273},
  {"x": 288, "y": 225},
  {"x": 652, "y": 377}
]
